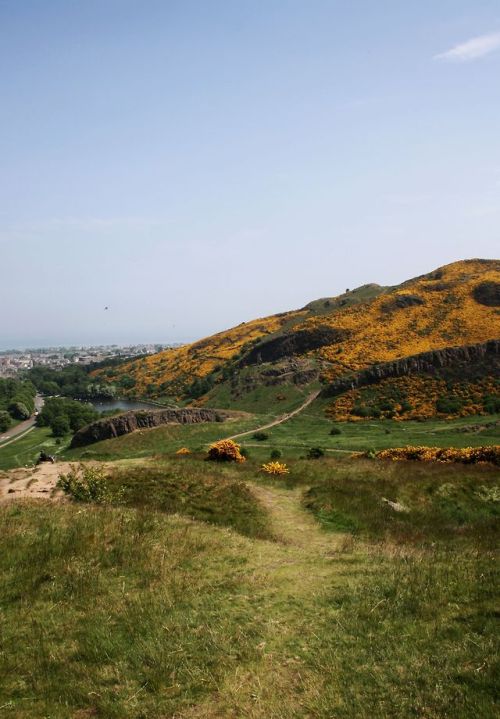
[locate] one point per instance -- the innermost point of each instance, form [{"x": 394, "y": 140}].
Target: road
[{"x": 22, "y": 427}]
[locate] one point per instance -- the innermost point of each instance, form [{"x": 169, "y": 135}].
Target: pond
[{"x": 124, "y": 405}]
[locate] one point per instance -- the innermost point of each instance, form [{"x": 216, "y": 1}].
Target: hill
[{"x": 332, "y": 340}]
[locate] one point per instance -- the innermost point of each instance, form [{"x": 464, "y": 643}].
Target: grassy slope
[
  {"x": 160, "y": 617},
  {"x": 24, "y": 451},
  {"x": 308, "y": 429}
]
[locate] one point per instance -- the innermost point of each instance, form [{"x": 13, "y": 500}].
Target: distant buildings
[{"x": 13, "y": 361}]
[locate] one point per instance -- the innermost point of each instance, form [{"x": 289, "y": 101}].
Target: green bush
[
  {"x": 4, "y": 421},
  {"x": 315, "y": 453},
  {"x": 276, "y": 454},
  {"x": 335, "y": 431},
  {"x": 87, "y": 484},
  {"x": 60, "y": 426},
  {"x": 19, "y": 410},
  {"x": 260, "y": 436},
  {"x": 449, "y": 405}
]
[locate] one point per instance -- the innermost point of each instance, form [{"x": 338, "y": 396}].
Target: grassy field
[
  {"x": 294, "y": 437},
  {"x": 351, "y": 610},
  {"x": 24, "y": 451}
]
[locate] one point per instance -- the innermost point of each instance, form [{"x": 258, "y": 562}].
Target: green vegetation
[
  {"x": 161, "y": 441},
  {"x": 116, "y": 613},
  {"x": 72, "y": 381},
  {"x": 66, "y": 415},
  {"x": 17, "y": 401},
  {"x": 25, "y": 450},
  {"x": 368, "y": 613},
  {"x": 430, "y": 501}
]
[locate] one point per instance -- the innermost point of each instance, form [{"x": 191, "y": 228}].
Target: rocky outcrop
[
  {"x": 400, "y": 302},
  {"x": 130, "y": 421},
  {"x": 293, "y": 343},
  {"x": 487, "y": 293},
  {"x": 487, "y": 353}
]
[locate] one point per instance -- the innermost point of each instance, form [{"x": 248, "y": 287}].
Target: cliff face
[
  {"x": 425, "y": 362},
  {"x": 293, "y": 343},
  {"x": 130, "y": 421}
]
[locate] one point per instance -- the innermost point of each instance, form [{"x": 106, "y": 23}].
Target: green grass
[
  {"x": 442, "y": 502},
  {"x": 311, "y": 428},
  {"x": 25, "y": 450},
  {"x": 132, "y": 612},
  {"x": 264, "y": 400},
  {"x": 308, "y": 429},
  {"x": 416, "y": 637},
  {"x": 159, "y": 441},
  {"x": 117, "y": 613},
  {"x": 196, "y": 489}
]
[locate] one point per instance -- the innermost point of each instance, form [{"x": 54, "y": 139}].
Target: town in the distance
[{"x": 12, "y": 361}]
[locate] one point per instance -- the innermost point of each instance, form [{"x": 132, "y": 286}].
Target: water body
[{"x": 124, "y": 405}]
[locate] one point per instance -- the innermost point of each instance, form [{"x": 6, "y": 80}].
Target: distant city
[{"x": 13, "y": 361}]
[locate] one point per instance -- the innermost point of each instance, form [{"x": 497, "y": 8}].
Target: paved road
[{"x": 22, "y": 427}]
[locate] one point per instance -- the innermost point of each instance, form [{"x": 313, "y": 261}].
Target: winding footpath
[{"x": 280, "y": 420}]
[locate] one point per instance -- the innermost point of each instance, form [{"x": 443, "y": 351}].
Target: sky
[{"x": 195, "y": 164}]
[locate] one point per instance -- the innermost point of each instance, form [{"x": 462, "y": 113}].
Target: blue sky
[{"x": 193, "y": 165}]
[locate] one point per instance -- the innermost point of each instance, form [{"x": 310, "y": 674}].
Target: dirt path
[
  {"x": 288, "y": 576},
  {"x": 32, "y": 482},
  {"x": 280, "y": 420}
]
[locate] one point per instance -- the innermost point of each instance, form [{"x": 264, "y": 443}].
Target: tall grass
[{"x": 115, "y": 612}]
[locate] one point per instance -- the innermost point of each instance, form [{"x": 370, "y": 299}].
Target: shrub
[
  {"x": 335, "y": 430},
  {"x": 260, "y": 436},
  {"x": 466, "y": 455},
  {"x": 315, "y": 453},
  {"x": 276, "y": 454},
  {"x": 449, "y": 405},
  {"x": 225, "y": 450},
  {"x": 60, "y": 426},
  {"x": 491, "y": 404},
  {"x": 19, "y": 410},
  {"x": 86, "y": 484},
  {"x": 275, "y": 468},
  {"x": 244, "y": 452},
  {"x": 4, "y": 421},
  {"x": 183, "y": 451}
]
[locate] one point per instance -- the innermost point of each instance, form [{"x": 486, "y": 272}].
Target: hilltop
[{"x": 330, "y": 341}]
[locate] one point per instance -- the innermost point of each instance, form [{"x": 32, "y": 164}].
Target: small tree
[
  {"x": 4, "y": 421},
  {"x": 315, "y": 453},
  {"x": 60, "y": 426}
]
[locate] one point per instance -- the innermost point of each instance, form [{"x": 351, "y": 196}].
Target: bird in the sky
[{"x": 106, "y": 308}]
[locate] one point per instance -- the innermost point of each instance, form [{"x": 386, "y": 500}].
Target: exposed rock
[
  {"x": 293, "y": 343},
  {"x": 399, "y": 302},
  {"x": 487, "y": 293},
  {"x": 396, "y": 506},
  {"x": 130, "y": 421},
  {"x": 425, "y": 362}
]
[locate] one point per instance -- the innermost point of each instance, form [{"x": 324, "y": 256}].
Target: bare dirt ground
[{"x": 32, "y": 482}]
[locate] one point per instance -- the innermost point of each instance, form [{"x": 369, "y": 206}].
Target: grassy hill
[
  {"x": 281, "y": 357},
  {"x": 218, "y": 593}
]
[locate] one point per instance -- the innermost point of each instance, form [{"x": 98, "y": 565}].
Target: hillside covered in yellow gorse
[{"x": 455, "y": 305}]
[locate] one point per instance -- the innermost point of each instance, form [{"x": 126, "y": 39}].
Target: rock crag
[
  {"x": 425, "y": 362},
  {"x": 143, "y": 419}
]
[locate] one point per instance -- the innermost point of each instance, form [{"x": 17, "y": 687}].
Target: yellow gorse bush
[
  {"x": 275, "y": 468},
  {"x": 183, "y": 450},
  {"x": 225, "y": 450},
  {"x": 465, "y": 455},
  {"x": 448, "y": 315}
]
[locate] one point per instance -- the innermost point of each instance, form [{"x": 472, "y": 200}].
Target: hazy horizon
[{"x": 192, "y": 166}]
